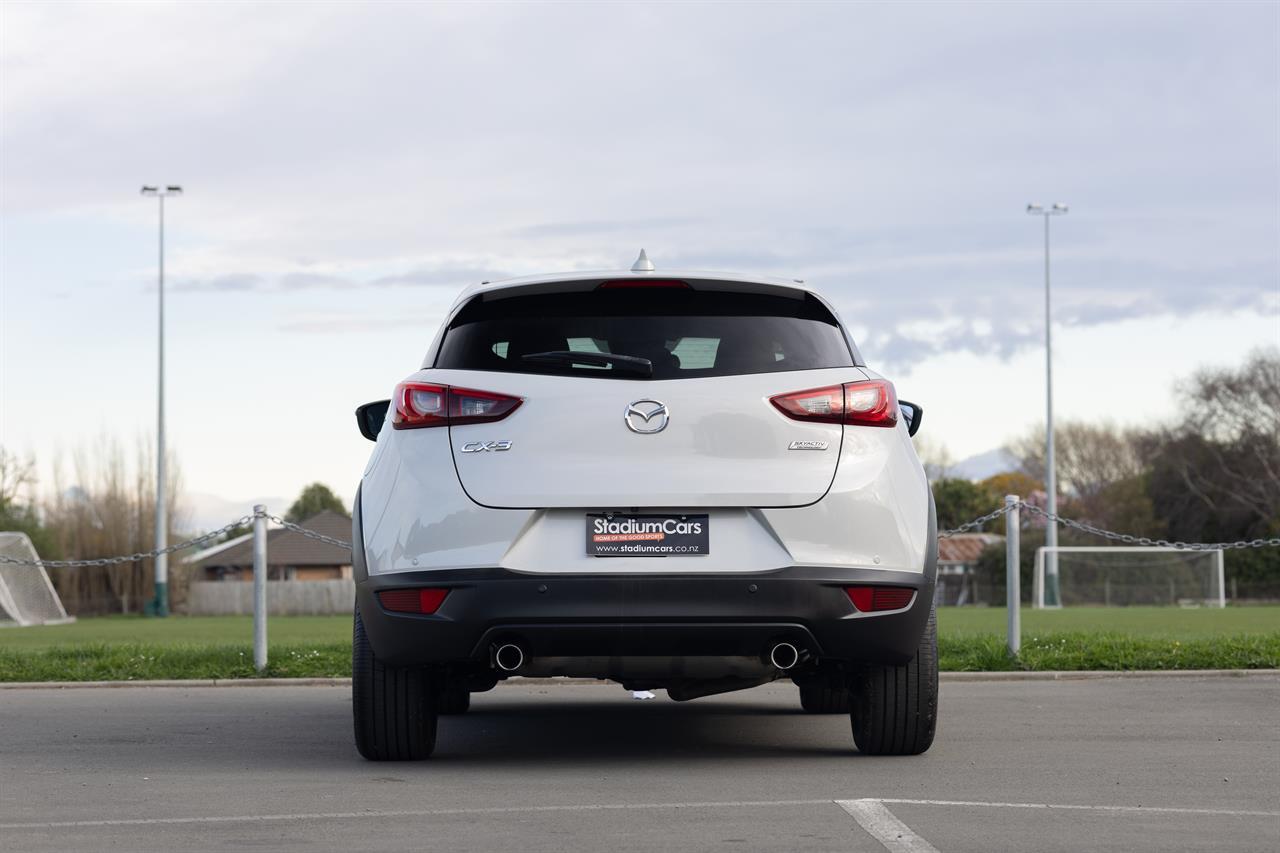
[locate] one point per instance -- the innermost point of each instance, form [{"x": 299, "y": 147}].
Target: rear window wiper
[{"x": 630, "y": 363}]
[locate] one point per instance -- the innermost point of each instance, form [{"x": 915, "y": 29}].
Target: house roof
[
  {"x": 286, "y": 547},
  {"x": 965, "y": 547},
  {"x": 205, "y": 553}
]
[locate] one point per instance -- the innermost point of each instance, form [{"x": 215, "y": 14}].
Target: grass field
[
  {"x": 969, "y": 639},
  {"x": 1168, "y": 622},
  {"x": 179, "y": 630}
]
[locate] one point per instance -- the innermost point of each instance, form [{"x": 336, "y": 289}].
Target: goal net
[
  {"x": 1120, "y": 576},
  {"x": 27, "y": 596}
]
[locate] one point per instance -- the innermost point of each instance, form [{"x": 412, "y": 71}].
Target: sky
[{"x": 350, "y": 167}]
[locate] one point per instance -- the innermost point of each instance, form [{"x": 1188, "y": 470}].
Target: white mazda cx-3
[{"x": 677, "y": 480}]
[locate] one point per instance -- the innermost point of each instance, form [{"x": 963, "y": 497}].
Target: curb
[
  {"x": 1100, "y": 674},
  {"x": 1064, "y": 675}
]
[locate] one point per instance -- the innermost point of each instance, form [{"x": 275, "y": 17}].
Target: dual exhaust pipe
[
  {"x": 783, "y": 656},
  {"x": 508, "y": 657}
]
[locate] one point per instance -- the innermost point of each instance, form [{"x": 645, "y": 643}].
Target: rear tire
[
  {"x": 895, "y": 708},
  {"x": 394, "y": 708},
  {"x": 454, "y": 700},
  {"x": 824, "y": 700}
]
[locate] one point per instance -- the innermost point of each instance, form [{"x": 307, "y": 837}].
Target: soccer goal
[
  {"x": 1127, "y": 576},
  {"x": 27, "y": 596}
]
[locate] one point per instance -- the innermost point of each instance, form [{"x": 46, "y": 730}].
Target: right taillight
[
  {"x": 417, "y": 405},
  {"x": 869, "y": 403}
]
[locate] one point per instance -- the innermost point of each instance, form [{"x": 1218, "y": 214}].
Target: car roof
[{"x": 589, "y": 279}]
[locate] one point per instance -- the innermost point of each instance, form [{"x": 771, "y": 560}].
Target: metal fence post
[
  {"x": 1013, "y": 573},
  {"x": 260, "y": 587},
  {"x": 1222, "y": 579}
]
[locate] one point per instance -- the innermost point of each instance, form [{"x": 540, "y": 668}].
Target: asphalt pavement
[{"x": 1128, "y": 764}]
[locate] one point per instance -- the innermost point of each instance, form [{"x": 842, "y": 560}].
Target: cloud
[
  {"x": 800, "y": 141},
  {"x": 230, "y": 282},
  {"x": 346, "y": 323},
  {"x": 457, "y": 277},
  {"x": 313, "y": 281}
]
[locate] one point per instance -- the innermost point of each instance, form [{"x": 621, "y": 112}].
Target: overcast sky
[{"x": 349, "y": 168}]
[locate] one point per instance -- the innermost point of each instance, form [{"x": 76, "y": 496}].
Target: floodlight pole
[
  {"x": 1051, "y": 479},
  {"x": 160, "y": 604}
]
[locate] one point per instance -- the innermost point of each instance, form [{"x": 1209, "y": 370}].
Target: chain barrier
[
  {"x": 310, "y": 534},
  {"x": 133, "y": 558},
  {"x": 1083, "y": 527},
  {"x": 1094, "y": 530},
  {"x": 980, "y": 520},
  {"x": 1130, "y": 539}
]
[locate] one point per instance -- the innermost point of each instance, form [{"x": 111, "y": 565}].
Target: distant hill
[
  {"x": 209, "y": 512},
  {"x": 984, "y": 465}
]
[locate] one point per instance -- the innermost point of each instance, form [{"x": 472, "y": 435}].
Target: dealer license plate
[{"x": 622, "y": 535}]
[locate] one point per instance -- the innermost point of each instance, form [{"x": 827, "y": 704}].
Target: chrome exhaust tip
[
  {"x": 508, "y": 657},
  {"x": 784, "y": 656}
]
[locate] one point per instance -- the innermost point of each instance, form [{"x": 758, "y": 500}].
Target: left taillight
[
  {"x": 424, "y": 600},
  {"x": 870, "y": 403},
  {"x": 418, "y": 405},
  {"x": 873, "y": 599}
]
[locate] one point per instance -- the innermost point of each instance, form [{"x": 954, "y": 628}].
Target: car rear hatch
[{"x": 696, "y": 429}]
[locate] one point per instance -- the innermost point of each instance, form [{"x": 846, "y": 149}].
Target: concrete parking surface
[{"x": 1134, "y": 764}]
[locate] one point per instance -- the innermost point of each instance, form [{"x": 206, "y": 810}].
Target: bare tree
[
  {"x": 107, "y": 508},
  {"x": 17, "y": 475},
  {"x": 1216, "y": 472},
  {"x": 1090, "y": 457},
  {"x": 1237, "y": 413}
]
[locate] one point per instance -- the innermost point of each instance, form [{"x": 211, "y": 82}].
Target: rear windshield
[{"x": 682, "y": 334}]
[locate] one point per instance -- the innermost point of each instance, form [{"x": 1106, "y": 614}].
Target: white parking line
[
  {"x": 1059, "y": 807},
  {"x": 374, "y": 813},
  {"x": 879, "y": 822},
  {"x": 853, "y": 807}
]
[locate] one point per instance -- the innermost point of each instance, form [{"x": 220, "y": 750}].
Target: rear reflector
[
  {"x": 417, "y": 405},
  {"x": 426, "y": 600},
  {"x": 870, "y": 599},
  {"x": 870, "y": 403},
  {"x": 621, "y": 283}
]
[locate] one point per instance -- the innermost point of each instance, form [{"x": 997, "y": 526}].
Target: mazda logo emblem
[{"x": 646, "y": 416}]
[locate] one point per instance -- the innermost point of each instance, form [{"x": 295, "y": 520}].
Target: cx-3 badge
[
  {"x": 485, "y": 446},
  {"x": 646, "y": 416}
]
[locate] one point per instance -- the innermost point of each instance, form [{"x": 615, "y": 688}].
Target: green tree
[
  {"x": 961, "y": 500},
  {"x": 1012, "y": 483},
  {"x": 315, "y": 498}
]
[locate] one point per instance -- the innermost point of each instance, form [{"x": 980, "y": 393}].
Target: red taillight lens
[
  {"x": 418, "y": 405},
  {"x": 870, "y": 403},
  {"x": 425, "y": 600},
  {"x": 621, "y": 283},
  {"x": 870, "y": 599}
]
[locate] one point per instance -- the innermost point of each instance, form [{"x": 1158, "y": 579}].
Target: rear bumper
[
  {"x": 606, "y": 616},
  {"x": 609, "y": 615}
]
